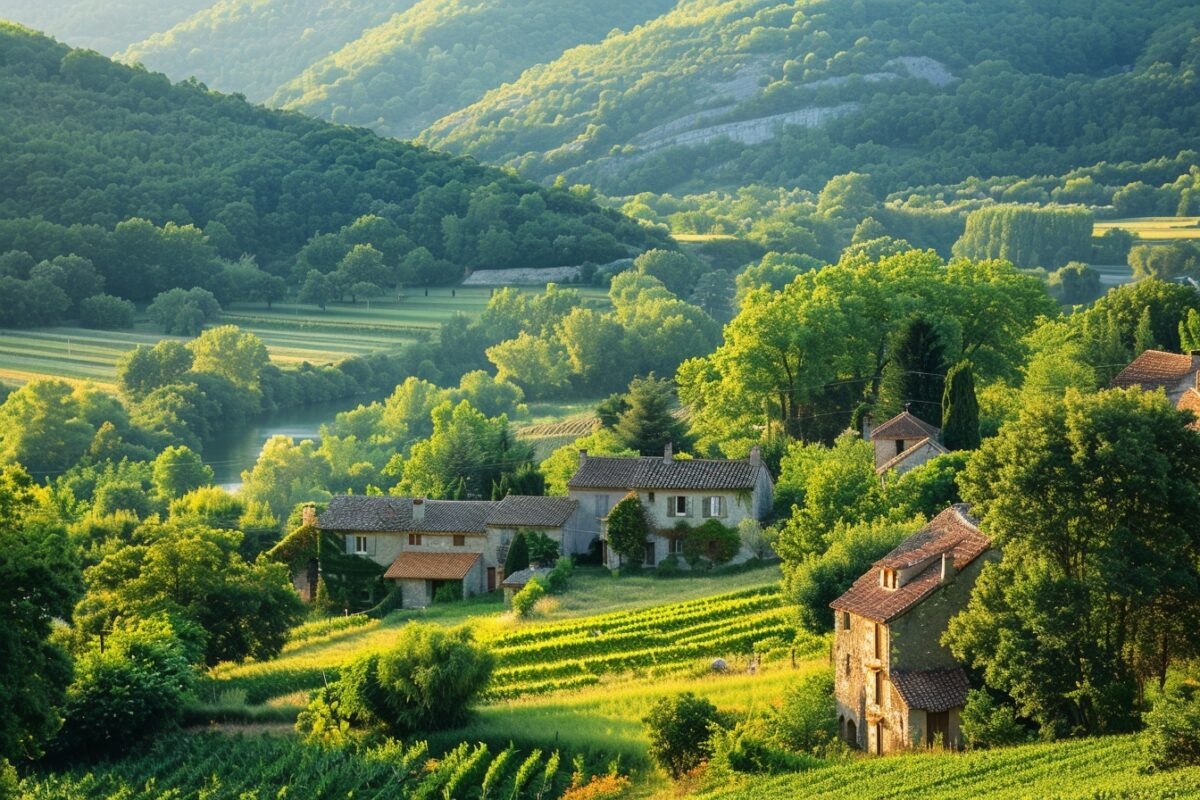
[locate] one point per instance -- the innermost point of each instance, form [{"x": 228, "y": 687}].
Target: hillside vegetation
[
  {"x": 104, "y": 25},
  {"x": 909, "y": 92}
]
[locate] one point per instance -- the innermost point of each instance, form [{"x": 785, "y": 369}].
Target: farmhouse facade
[
  {"x": 896, "y": 685},
  {"x": 903, "y": 443},
  {"x": 425, "y": 544},
  {"x": 677, "y": 493},
  {"x": 1177, "y": 375}
]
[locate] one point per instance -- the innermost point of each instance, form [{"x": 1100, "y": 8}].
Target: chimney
[
  {"x": 947, "y": 568},
  {"x": 868, "y": 427},
  {"x": 582, "y": 457},
  {"x": 755, "y": 456},
  {"x": 669, "y": 454},
  {"x": 418, "y": 509},
  {"x": 308, "y": 516}
]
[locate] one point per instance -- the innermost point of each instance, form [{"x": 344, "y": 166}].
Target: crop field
[
  {"x": 1107, "y": 767},
  {"x": 1154, "y": 229},
  {"x": 540, "y": 657},
  {"x": 292, "y": 333}
]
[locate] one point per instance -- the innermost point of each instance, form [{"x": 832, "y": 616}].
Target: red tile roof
[
  {"x": 905, "y": 426},
  {"x": 1190, "y": 401},
  {"x": 432, "y": 566},
  {"x": 931, "y": 689},
  {"x": 1155, "y": 369},
  {"x": 953, "y": 532}
]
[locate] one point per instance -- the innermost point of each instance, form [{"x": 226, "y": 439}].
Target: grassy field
[
  {"x": 1154, "y": 229},
  {"x": 292, "y": 333}
]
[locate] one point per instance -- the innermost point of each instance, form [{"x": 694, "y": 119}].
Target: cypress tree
[
  {"x": 518, "y": 554},
  {"x": 916, "y": 372},
  {"x": 648, "y": 425},
  {"x": 1143, "y": 335},
  {"x": 960, "y": 409}
]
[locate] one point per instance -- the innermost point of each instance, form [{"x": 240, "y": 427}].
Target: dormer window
[{"x": 889, "y": 578}]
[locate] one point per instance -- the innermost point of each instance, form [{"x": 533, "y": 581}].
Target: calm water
[{"x": 238, "y": 450}]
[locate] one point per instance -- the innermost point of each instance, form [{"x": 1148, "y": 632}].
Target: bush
[
  {"x": 426, "y": 681},
  {"x": 711, "y": 542},
  {"x": 807, "y": 720},
  {"x": 669, "y": 567},
  {"x": 986, "y": 723},
  {"x": 524, "y": 600},
  {"x": 1172, "y": 736},
  {"x": 9, "y": 786},
  {"x": 131, "y": 691},
  {"x": 105, "y": 312},
  {"x": 560, "y": 576},
  {"x": 628, "y": 527},
  {"x": 517, "y": 558},
  {"x": 748, "y": 747},
  {"x": 449, "y": 592},
  {"x": 679, "y": 729},
  {"x": 542, "y": 549}
]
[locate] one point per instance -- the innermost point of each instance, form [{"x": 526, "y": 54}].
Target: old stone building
[
  {"x": 674, "y": 491},
  {"x": 903, "y": 443},
  {"x": 1177, "y": 375},
  {"x": 897, "y": 687}
]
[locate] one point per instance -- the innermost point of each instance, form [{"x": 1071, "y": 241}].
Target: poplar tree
[
  {"x": 960, "y": 409},
  {"x": 915, "y": 373}
]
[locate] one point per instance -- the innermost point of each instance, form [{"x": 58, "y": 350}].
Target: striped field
[{"x": 1154, "y": 229}]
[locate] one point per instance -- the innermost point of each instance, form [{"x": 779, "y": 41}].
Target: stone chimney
[
  {"x": 418, "y": 509},
  {"x": 947, "y": 567},
  {"x": 669, "y": 453},
  {"x": 582, "y": 457},
  {"x": 868, "y": 427},
  {"x": 755, "y": 456},
  {"x": 308, "y": 516}
]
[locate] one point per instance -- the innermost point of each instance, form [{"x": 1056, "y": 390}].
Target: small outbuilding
[
  {"x": 419, "y": 575},
  {"x": 517, "y": 581}
]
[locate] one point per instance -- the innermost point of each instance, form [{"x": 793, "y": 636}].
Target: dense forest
[{"x": 117, "y": 166}]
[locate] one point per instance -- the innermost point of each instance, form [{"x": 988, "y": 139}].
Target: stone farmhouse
[
  {"x": 673, "y": 491},
  {"x": 426, "y": 543},
  {"x": 1177, "y": 375},
  {"x": 903, "y": 443},
  {"x": 896, "y": 686}
]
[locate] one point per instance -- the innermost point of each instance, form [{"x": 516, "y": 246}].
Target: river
[{"x": 238, "y": 450}]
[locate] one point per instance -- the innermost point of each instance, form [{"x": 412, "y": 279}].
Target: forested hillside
[
  {"x": 913, "y": 93},
  {"x": 160, "y": 185},
  {"x": 104, "y": 25},
  {"x": 255, "y": 46}
]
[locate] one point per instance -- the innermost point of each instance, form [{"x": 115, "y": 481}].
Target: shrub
[
  {"x": 524, "y": 600},
  {"x": 560, "y": 576},
  {"x": 131, "y": 691},
  {"x": 986, "y": 723},
  {"x": 712, "y": 542},
  {"x": 1172, "y": 736},
  {"x": 679, "y": 729},
  {"x": 749, "y": 747},
  {"x": 517, "y": 558},
  {"x": 426, "y": 681},
  {"x": 10, "y": 788},
  {"x": 628, "y": 527},
  {"x": 669, "y": 567},
  {"x": 449, "y": 592},
  {"x": 542, "y": 548},
  {"x": 105, "y": 312},
  {"x": 807, "y": 720}
]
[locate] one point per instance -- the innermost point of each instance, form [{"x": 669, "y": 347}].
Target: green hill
[
  {"x": 255, "y": 46},
  {"x": 442, "y": 55},
  {"x": 104, "y": 25},
  {"x": 729, "y": 93},
  {"x": 89, "y": 144}
]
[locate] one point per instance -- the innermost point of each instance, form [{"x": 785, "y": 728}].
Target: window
[
  {"x": 414, "y": 538},
  {"x": 651, "y": 497},
  {"x": 714, "y": 506},
  {"x": 888, "y": 578},
  {"x": 845, "y": 615},
  {"x": 879, "y": 687},
  {"x": 675, "y": 546},
  {"x": 649, "y": 554},
  {"x": 360, "y": 545},
  {"x": 601, "y": 501},
  {"x": 899, "y": 446},
  {"x": 878, "y": 640},
  {"x": 677, "y": 506},
  {"x": 460, "y": 540}
]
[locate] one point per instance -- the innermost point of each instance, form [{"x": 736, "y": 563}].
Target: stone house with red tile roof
[
  {"x": 903, "y": 443},
  {"x": 1177, "y": 375},
  {"x": 896, "y": 685}
]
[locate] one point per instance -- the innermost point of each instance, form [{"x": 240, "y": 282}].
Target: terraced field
[{"x": 1106, "y": 767}]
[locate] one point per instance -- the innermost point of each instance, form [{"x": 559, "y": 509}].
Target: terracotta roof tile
[
  {"x": 395, "y": 514},
  {"x": 905, "y": 426},
  {"x": 432, "y": 566},
  {"x": 1155, "y": 369},
  {"x": 899, "y": 458},
  {"x": 1190, "y": 401},
  {"x": 953, "y": 532},
  {"x": 931, "y": 689},
  {"x": 610, "y": 472},
  {"x": 519, "y": 511}
]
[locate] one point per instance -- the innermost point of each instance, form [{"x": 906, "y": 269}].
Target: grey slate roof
[
  {"x": 610, "y": 472},
  {"x": 932, "y": 689},
  {"x": 519, "y": 511},
  {"x": 394, "y": 514},
  {"x": 522, "y": 576}
]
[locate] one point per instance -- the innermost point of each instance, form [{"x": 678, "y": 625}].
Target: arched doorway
[{"x": 851, "y": 733}]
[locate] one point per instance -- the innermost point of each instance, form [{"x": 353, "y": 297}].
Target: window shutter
[
  {"x": 688, "y": 510},
  {"x": 350, "y": 544},
  {"x": 721, "y": 510},
  {"x": 371, "y": 544}
]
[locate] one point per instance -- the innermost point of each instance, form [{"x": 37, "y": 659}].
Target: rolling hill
[{"x": 103, "y": 25}]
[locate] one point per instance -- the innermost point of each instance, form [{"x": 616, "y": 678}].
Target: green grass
[
  {"x": 1087, "y": 768},
  {"x": 293, "y": 334}
]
